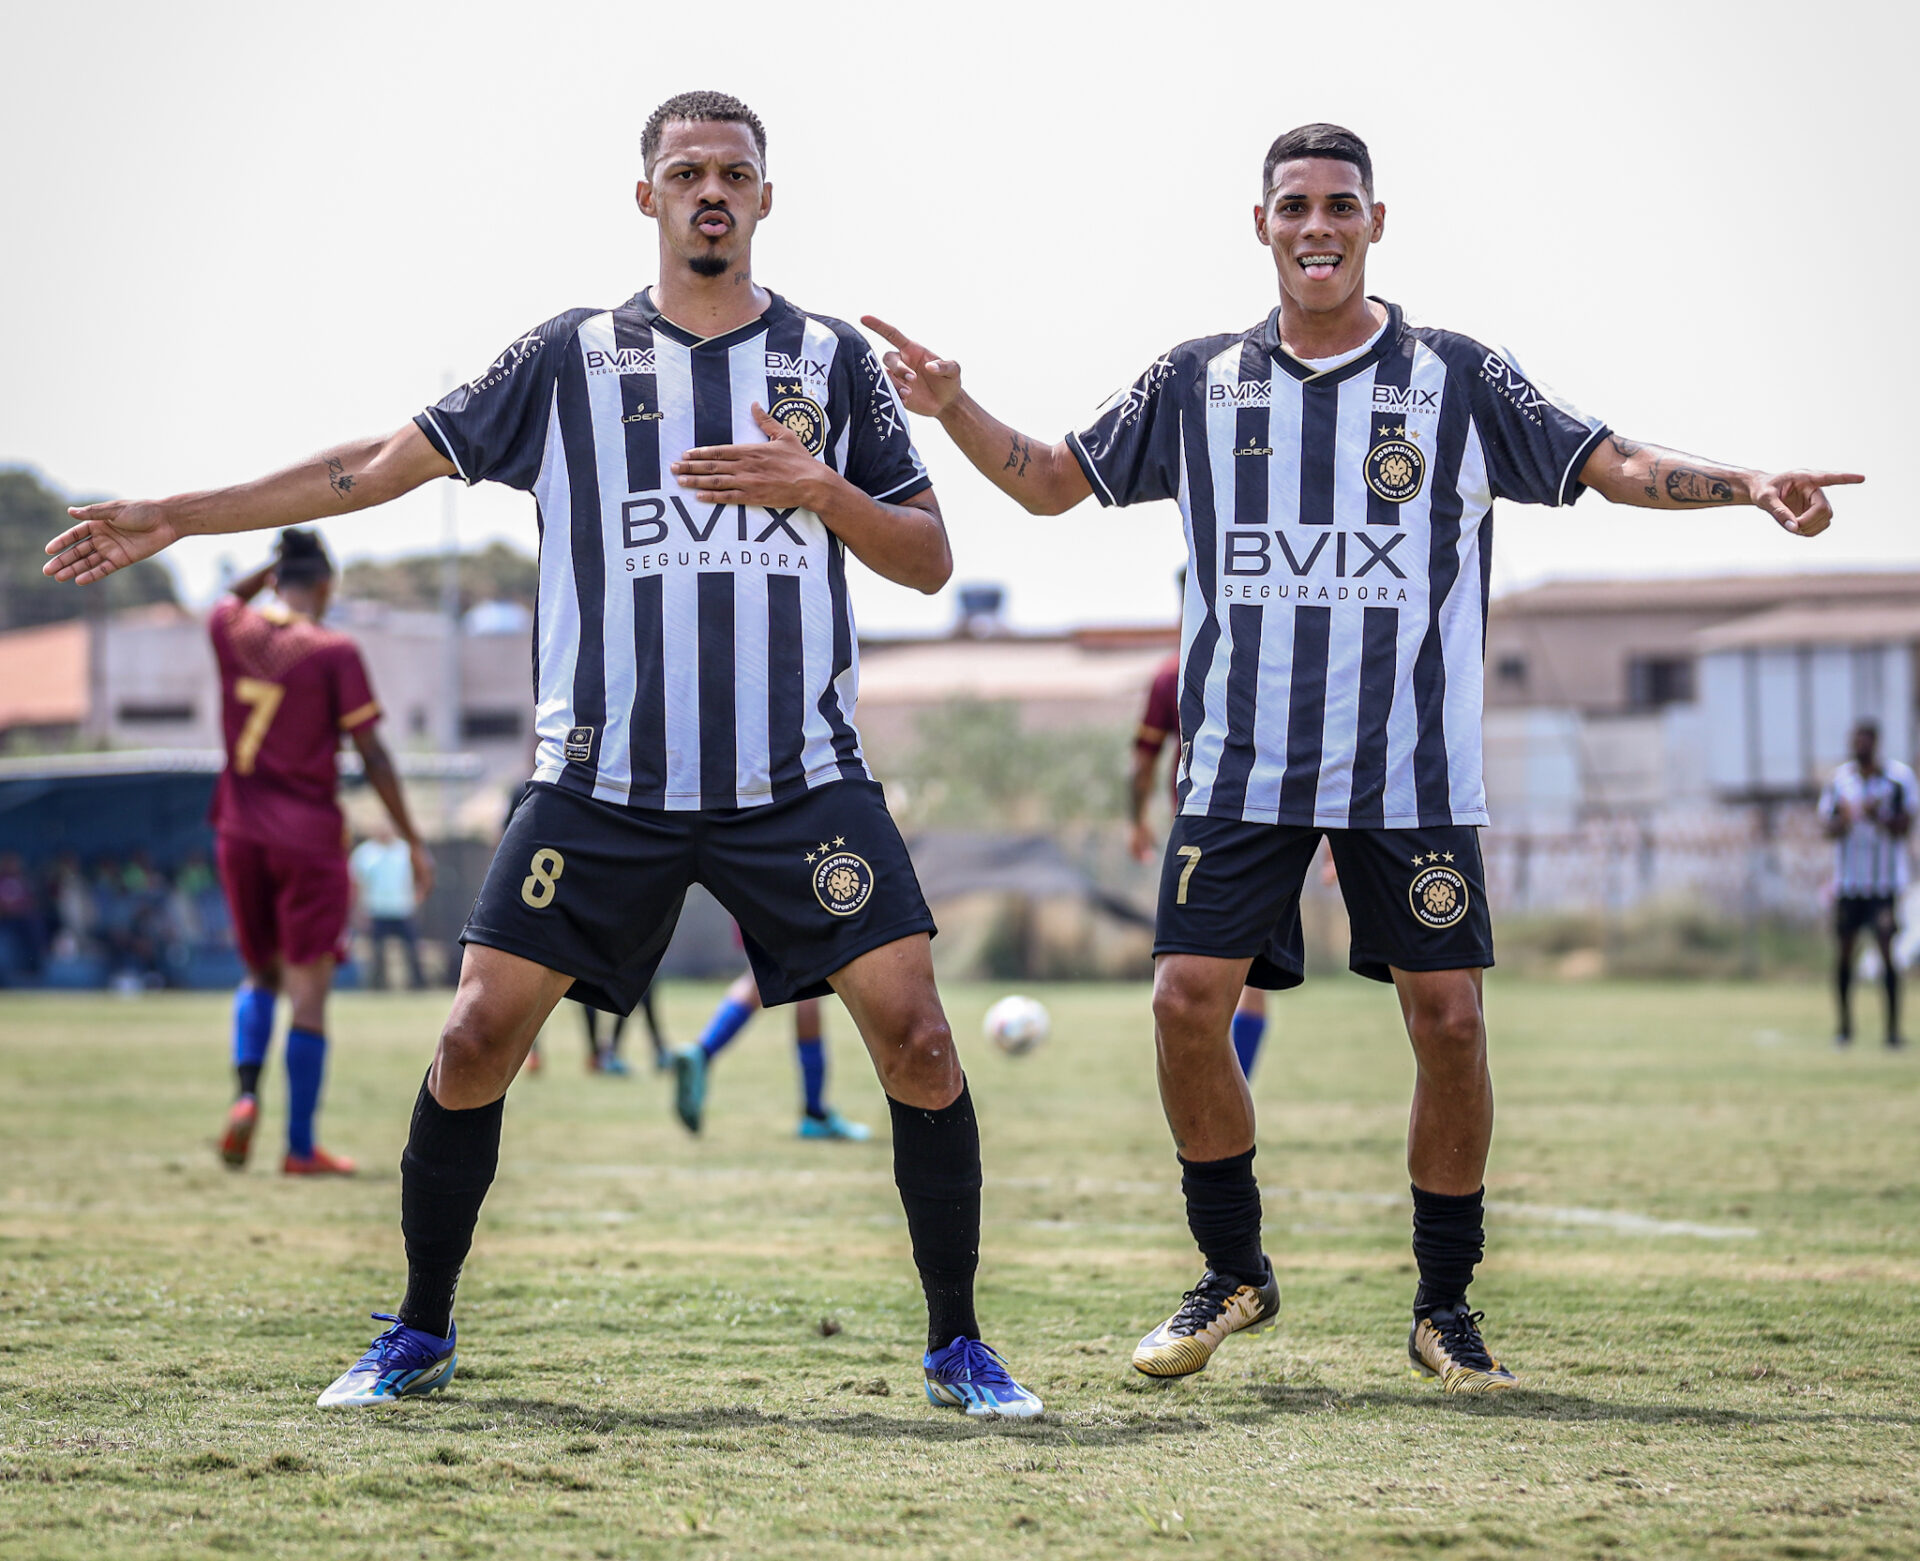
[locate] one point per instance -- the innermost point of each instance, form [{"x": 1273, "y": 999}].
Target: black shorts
[
  {"x": 594, "y": 889},
  {"x": 1416, "y": 898},
  {"x": 1854, "y": 913}
]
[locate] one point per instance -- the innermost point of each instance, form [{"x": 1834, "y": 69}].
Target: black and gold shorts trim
[
  {"x": 594, "y": 889},
  {"x": 1416, "y": 898}
]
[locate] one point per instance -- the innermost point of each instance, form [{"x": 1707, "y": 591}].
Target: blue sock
[
  {"x": 252, "y": 1033},
  {"x": 1247, "y": 1030},
  {"x": 728, "y": 1020},
  {"x": 813, "y": 1073},
  {"x": 306, "y": 1067}
]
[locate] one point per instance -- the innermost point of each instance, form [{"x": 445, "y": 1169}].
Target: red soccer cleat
[
  {"x": 319, "y": 1163},
  {"x": 238, "y": 1138}
]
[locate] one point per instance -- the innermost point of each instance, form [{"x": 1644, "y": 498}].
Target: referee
[
  {"x": 703, "y": 457},
  {"x": 1336, "y": 467}
]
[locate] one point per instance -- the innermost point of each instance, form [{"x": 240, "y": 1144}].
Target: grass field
[{"x": 1704, "y": 1263}]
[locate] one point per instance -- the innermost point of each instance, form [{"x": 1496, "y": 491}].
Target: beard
[{"x": 708, "y": 265}]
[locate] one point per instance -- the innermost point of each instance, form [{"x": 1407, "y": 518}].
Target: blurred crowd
[{"x": 111, "y": 921}]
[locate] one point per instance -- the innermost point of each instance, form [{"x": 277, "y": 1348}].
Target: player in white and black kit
[
  {"x": 1868, "y": 809},
  {"x": 703, "y": 456},
  {"x": 1336, "y": 467}
]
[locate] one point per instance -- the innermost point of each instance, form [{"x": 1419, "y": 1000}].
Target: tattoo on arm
[
  {"x": 337, "y": 477},
  {"x": 1625, "y": 448},
  {"x": 1685, "y": 486},
  {"x": 1018, "y": 454}
]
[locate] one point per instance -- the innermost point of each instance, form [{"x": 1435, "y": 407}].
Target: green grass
[{"x": 646, "y": 1372}]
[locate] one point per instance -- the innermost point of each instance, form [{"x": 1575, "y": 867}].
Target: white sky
[{"x": 238, "y": 233}]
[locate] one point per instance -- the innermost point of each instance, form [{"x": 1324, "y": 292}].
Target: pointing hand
[
  {"x": 1797, "y": 499},
  {"x": 927, "y": 385}
]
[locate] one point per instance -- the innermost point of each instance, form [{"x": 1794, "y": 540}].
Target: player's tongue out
[{"x": 1319, "y": 266}]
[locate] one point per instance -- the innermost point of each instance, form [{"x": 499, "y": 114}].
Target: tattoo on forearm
[
  {"x": 337, "y": 476},
  {"x": 1685, "y": 486},
  {"x": 1626, "y": 448},
  {"x": 1018, "y": 454}
]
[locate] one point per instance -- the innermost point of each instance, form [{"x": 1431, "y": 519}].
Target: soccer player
[
  {"x": 1159, "y": 725},
  {"x": 1336, "y": 467},
  {"x": 742, "y": 1002},
  {"x": 704, "y": 457},
  {"x": 1867, "y": 809},
  {"x": 289, "y": 689}
]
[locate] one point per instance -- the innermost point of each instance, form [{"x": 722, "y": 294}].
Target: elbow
[
  {"x": 939, "y": 571},
  {"x": 1049, "y": 503}
]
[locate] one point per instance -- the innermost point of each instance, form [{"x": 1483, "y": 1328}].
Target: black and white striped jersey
[
  {"x": 686, "y": 655},
  {"x": 1338, "y": 529},
  {"x": 1870, "y": 860}
]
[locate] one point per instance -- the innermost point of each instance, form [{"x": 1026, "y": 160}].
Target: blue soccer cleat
[
  {"x": 403, "y": 1361},
  {"x": 969, "y": 1375},
  {"x": 690, "y": 1087},
  {"x": 833, "y": 1125}
]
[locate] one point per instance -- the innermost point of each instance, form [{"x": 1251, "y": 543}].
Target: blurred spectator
[
  {"x": 382, "y": 868},
  {"x": 129, "y": 922},
  {"x": 22, "y": 926}
]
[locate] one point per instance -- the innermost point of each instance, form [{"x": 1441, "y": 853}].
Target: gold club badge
[
  {"x": 1396, "y": 468},
  {"x": 1437, "y": 897},
  {"x": 842, "y": 882},
  {"x": 801, "y": 415}
]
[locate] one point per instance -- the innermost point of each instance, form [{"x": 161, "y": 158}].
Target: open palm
[{"x": 106, "y": 537}]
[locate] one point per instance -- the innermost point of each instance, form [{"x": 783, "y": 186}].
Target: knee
[
  {"x": 923, "y": 1061},
  {"x": 1184, "y": 1010},
  {"x": 1450, "y": 1032},
  {"x": 469, "y": 1042}
]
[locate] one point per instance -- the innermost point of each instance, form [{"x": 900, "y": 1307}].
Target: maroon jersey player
[
  {"x": 1159, "y": 722},
  {"x": 289, "y": 690}
]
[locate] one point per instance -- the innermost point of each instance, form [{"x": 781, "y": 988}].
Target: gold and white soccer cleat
[
  {"x": 1447, "y": 1344},
  {"x": 1219, "y": 1305}
]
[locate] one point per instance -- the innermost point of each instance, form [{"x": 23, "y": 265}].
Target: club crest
[
  {"x": 802, "y": 417},
  {"x": 1396, "y": 469},
  {"x": 842, "y": 882},
  {"x": 1438, "y": 897}
]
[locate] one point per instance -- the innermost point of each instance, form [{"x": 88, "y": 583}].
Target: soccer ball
[{"x": 1018, "y": 1024}]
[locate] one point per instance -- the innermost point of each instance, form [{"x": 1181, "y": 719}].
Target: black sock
[
  {"x": 1843, "y": 987},
  {"x": 1223, "y": 1212},
  {"x": 936, "y": 1166},
  {"x": 249, "y": 1077},
  {"x": 444, "y": 1176},
  {"x": 1892, "y": 978},
  {"x": 1447, "y": 1244}
]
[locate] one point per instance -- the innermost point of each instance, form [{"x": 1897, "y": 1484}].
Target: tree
[
  {"x": 31, "y": 514},
  {"x": 497, "y": 573},
  {"x": 975, "y": 765}
]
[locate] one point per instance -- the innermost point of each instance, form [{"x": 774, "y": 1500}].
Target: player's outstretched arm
[
  {"x": 1652, "y": 478},
  {"x": 385, "y": 781},
  {"x": 1043, "y": 479},
  {"x": 355, "y": 476},
  {"x": 905, "y": 542}
]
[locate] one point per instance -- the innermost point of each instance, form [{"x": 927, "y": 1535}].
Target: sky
[{"x": 243, "y": 232}]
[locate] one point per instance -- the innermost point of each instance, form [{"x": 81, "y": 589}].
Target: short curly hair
[
  {"x": 1330, "y": 141},
  {"x": 696, "y": 107}
]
